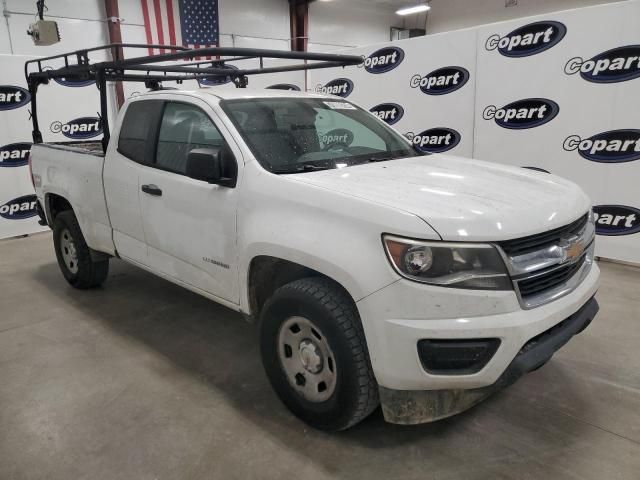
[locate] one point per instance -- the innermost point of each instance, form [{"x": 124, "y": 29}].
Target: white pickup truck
[{"x": 378, "y": 275}]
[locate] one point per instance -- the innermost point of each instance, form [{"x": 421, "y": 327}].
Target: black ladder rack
[{"x": 149, "y": 69}]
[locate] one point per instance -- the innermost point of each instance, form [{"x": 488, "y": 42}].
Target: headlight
[{"x": 456, "y": 265}]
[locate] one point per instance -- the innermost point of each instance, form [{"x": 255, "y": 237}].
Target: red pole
[
  {"x": 299, "y": 21},
  {"x": 115, "y": 36}
]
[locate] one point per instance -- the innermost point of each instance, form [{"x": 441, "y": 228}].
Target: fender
[
  {"x": 314, "y": 231},
  {"x": 321, "y": 265}
]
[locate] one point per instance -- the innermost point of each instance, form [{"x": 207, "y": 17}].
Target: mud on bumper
[{"x": 421, "y": 406}]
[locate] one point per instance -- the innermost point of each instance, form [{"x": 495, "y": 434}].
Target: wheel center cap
[{"x": 310, "y": 356}]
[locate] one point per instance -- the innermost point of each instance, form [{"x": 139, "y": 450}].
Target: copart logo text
[
  {"x": 526, "y": 113},
  {"x": 389, "y": 112},
  {"x": 441, "y": 81},
  {"x": 434, "y": 140},
  {"x": 15, "y": 154},
  {"x": 384, "y": 60},
  {"x": 528, "y": 40},
  {"x": 615, "y": 65},
  {"x": 339, "y": 137},
  {"x": 19, "y": 208},
  {"x": 342, "y": 87},
  {"x": 13, "y": 97},
  {"x": 79, "y": 128},
  {"x": 616, "y": 219},
  {"x": 614, "y": 146}
]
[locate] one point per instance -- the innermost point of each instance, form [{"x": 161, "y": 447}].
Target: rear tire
[
  {"x": 315, "y": 354},
  {"x": 73, "y": 254}
]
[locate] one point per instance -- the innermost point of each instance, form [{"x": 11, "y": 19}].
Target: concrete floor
[{"x": 144, "y": 380}]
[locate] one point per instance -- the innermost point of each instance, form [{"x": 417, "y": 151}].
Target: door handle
[{"x": 152, "y": 190}]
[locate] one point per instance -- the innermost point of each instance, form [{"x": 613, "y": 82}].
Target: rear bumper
[{"x": 416, "y": 406}]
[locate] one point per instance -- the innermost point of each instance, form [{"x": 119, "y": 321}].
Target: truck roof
[{"x": 233, "y": 93}]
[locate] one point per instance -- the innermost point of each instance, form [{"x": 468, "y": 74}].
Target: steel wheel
[
  {"x": 75, "y": 258},
  {"x": 315, "y": 355},
  {"x": 307, "y": 359},
  {"x": 68, "y": 251}
]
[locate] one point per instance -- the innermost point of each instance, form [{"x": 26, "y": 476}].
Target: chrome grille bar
[
  {"x": 556, "y": 254},
  {"x": 549, "y": 265}
]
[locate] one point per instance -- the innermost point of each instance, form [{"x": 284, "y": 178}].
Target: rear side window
[{"x": 138, "y": 126}]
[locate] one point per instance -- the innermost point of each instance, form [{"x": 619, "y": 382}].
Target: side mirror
[
  {"x": 212, "y": 165},
  {"x": 205, "y": 164}
]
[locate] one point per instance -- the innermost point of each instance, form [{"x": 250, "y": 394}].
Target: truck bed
[
  {"x": 73, "y": 171},
  {"x": 92, "y": 147}
]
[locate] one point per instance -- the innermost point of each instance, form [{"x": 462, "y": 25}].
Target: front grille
[
  {"x": 544, "y": 281},
  {"x": 540, "y": 241}
]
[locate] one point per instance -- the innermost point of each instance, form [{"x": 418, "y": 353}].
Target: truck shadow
[{"x": 219, "y": 349}]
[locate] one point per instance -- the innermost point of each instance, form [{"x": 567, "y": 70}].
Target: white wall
[
  {"x": 336, "y": 24},
  {"x": 81, "y": 23},
  {"x": 576, "y": 107},
  {"x": 446, "y": 15}
]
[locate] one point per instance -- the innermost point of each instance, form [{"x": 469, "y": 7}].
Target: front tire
[
  {"x": 73, "y": 254},
  {"x": 315, "y": 354}
]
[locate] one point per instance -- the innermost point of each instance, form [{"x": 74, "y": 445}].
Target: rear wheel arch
[{"x": 54, "y": 204}]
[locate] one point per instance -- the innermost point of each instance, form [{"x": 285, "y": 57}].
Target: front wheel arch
[{"x": 267, "y": 273}]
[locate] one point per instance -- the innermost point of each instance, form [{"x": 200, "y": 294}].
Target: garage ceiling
[{"x": 390, "y": 5}]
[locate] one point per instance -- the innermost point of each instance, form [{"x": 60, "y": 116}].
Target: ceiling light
[{"x": 415, "y": 9}]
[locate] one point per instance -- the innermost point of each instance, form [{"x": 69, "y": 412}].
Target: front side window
[
  {"x": 183, "y": 128},
  {"x": 289, "y": 135}
]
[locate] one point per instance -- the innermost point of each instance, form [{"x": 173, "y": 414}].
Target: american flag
[{"x": 189, "y": 23}]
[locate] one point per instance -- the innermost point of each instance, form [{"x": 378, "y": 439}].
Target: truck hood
[{"x": 462, "y": 199}]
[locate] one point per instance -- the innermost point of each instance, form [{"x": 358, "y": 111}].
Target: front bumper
[
  {"x": 398, "y": 316},
  {"x": 436, "y": 351},
  {"x": 416, "y": 406}
]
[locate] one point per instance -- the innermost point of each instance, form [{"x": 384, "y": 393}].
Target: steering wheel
[{"x": 336, "y": 146}]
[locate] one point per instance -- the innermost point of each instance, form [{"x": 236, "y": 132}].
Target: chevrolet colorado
[{"x": 378, "y": 275}]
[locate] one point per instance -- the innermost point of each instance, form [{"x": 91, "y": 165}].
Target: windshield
[{"x": 289, "y": 135}]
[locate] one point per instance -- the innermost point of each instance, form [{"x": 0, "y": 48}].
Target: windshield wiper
[
  {"x": 372, "y": 159},
  {"x": 316, "y": 165},
  {"x": 302, "y": 167},
  {"x": 381, "y": 159}
]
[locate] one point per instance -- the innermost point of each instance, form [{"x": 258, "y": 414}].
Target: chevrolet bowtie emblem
[{"x": 574, "y": 250}]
